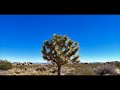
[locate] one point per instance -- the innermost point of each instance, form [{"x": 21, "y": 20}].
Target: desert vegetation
[
  {"x": 98, "y": 69},
  {"x": 5, "y": 65},
  {"x": 61, "y": 51}
]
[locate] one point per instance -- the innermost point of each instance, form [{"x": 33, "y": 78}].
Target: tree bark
[{"x": 59, "y": 70}]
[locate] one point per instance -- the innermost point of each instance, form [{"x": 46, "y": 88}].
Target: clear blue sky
[{"x": 21, "y": 36}]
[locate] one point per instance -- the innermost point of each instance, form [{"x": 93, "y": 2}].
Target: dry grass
[{"x": 69, "y": 69}]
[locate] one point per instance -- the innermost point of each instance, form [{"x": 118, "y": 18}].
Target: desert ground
[{"x": 109, "y": 68}]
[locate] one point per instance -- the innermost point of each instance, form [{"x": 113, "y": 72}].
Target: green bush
[{"x": 5, "y": 65}]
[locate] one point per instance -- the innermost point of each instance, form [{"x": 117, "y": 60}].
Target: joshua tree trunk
[{"x": 59, "y": 70}]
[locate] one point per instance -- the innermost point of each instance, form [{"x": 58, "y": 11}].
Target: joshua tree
[{"x": 60, "y": 50}]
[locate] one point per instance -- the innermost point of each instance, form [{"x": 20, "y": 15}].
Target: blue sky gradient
[{"x": 22, "y": 36}]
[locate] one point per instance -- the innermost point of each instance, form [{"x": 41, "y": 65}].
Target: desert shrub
[
  {"x": 106, "y": 69},
  {"x": 54, "y": 70},
  {"x": 3, "y": 72},
  {"x": 41, "y": 69},
  {"x": 117, "y": 64},
  {"x": 81, "y": 69},
  {"x": 20, "y": 66},
  {"x": 5, "y": 65}
]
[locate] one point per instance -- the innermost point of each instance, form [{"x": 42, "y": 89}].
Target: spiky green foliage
[{"x": 60, "y": 50}]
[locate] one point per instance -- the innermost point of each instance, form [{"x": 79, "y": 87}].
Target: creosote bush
[{"x": 5, "y": 65}]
